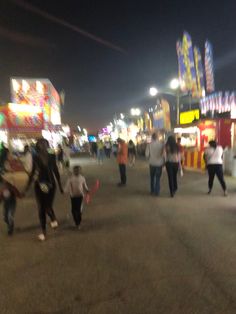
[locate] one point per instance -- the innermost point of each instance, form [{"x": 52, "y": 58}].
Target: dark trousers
[
  {"x": 155, "y": 176},
  {"x": 9, "y": 208},
  {"x": 172, "y": 171},
  {"x": 217, "y": 170},
  {"x": 76, "y": 203},
  {"x": 122, "y": 168},
  {"x": 45, "y": 203}
]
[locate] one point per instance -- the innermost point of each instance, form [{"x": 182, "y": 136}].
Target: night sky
[{"x": 100, "y": 81}]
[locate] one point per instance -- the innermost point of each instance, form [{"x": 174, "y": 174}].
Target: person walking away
[
  {"x": 100, "y": 152},
  {"x": 45, "y": 166},
  {"x": 131, "y": 153},
  {"x": 27, "y": 160},
  {"x": 122, "y": 158},
  {"x": 4, "y": 151},
  {"x": 114, "y": 149},
  {"x": 60, "y": 157},
  {"x": 94, "y": 148},
  {"x": 155, "y": 155},
  {"x": 76, "y": 186},
  {"x": 108, "y": 149},
  {"x": 213, "y": 157},
  {"x": 181, "y": 151},
  {"x": 172, "y": 163},
  {"x": 66, "y": 156},
  {"x": 9, "y": 195}
]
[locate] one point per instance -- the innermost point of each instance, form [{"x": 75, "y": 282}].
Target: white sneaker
[
  {"x": 41, "y": 237},
  {"x": 54, "y": 224}
]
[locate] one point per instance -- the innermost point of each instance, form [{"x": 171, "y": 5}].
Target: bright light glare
[
  {"x": 203, "y": 93},
  {"x": 122, "y": 116},
  {"x": 15, "y": 85},
  {"x": 135, "y": 112},
  {"x": 174, "y": 84},
  {"x": 85, "y": 131},
  {"x": 25, "y": 86},
  {"x": 153, "y": 91},
  {"x": 24, "y": 108},
  {"x": 39, "y": 87}
]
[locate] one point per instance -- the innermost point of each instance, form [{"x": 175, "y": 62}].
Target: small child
[
  {"x": 76, "y": 186},
  {"x": 9, "y": 194}
]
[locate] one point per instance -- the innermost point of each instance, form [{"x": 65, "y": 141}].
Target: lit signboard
[
  {"x": 40, "y": 93},
  {"x": 189, "y": 116}
]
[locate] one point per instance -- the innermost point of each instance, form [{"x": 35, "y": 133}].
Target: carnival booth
[
  {"x": 33, "y": 113},
  {"x": 218, "y": 113},
  {"x": 20, "y": 125}
]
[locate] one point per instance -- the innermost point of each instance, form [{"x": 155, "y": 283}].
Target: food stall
[
  {"x": 195, "y": 135},
  {"x": 33, "y": 113},
  {"x": 20, "y": 125}
]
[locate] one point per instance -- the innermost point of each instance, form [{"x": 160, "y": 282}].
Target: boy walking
[
  {"x": 76, "y": 186},
  {"x": 8, "y": 195}
]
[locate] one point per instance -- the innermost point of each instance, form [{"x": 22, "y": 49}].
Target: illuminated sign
[
  {"x": 220, "y": 103},
  {"x": 189, "y": 116},
  {"x": 18, "y": 117},
  {"x": 40, "y": 93}
]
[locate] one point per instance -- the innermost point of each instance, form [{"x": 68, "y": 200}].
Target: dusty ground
[{"x": 135, "y": 254}]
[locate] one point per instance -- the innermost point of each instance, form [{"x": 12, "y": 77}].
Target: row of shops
[{"x": 214, "y": 119}]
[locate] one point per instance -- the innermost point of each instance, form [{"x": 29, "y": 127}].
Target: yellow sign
[{"x": 189, "y": 116}]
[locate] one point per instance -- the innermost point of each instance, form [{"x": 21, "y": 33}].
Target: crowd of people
[
  {"x": 43, "y": 167},
  {"x": 171, "y": 156}
]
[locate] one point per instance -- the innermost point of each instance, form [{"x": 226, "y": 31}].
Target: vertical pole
[{"x": 177, "y": 107}]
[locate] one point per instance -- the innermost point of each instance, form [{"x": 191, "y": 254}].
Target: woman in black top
[{"x": 45, "y": 166}]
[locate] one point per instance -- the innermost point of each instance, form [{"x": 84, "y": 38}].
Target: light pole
[{"x": 174, "y": 85}]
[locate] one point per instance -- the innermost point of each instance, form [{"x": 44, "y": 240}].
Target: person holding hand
[{"x": 45, "y": 169}]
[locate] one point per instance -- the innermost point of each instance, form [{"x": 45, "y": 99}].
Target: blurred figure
[
  {"x": 44, "y": 172},
  {"x": 172, "y": 163},
  {"x": 131, "y": 153},
  {"x": 66, "y": 156},
  {"x": 122, "y": 158},
  {"x": 76, "y": 186},
  {"x": 9, "y": 195},
  {"x": 27, "y": 159},
  {"x": 94, "y": 149},
  {"x": 108, "y": 149},
  {"x": 3, "y": 157},
  {"x": 100, "y": 152},
  {"x": 181, "y": 151},
  {"x": 213, "y": 157},
  {"x": 155, "y": 155},
  {"x": 60, "y": 157},
  {"x": 114, "y": 149}
]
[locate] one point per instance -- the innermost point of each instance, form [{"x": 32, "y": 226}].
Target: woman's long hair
[
  {"x": 171, "y": 145},
  {"x": 41, "y": 145}
]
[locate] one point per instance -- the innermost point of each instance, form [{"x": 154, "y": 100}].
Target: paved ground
[{"x": 135, "y": 254}]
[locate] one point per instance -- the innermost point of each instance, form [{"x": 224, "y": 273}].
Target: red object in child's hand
[{"x": 87, "y": 198}]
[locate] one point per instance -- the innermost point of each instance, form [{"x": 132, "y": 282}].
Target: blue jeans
[
  {"x": 155, "y": 176},
  {"x": 9, "y": 208},
  {"x": 100, "y": 155}
]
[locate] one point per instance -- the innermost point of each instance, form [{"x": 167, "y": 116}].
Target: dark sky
[{"x": 100, "y": 81}]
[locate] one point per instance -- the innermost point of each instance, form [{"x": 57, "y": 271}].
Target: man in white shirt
[{"x": 155, "y": 154}]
